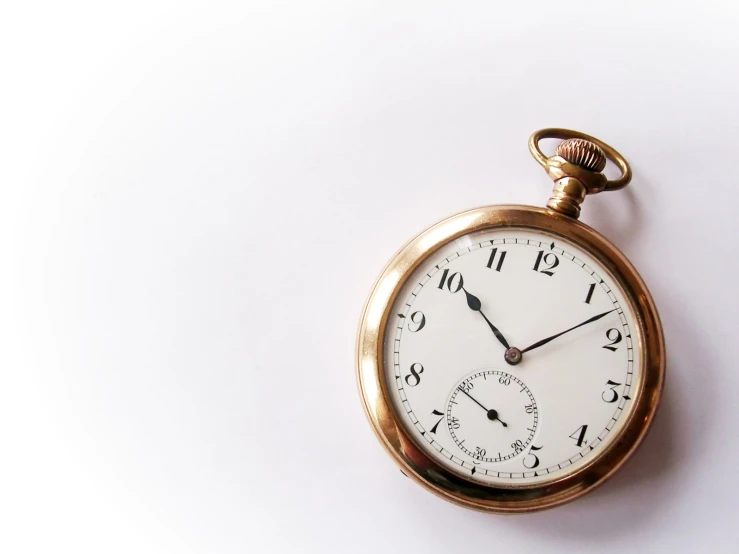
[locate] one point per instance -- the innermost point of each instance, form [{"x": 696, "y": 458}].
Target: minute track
[{"x": 430, "y": 274}]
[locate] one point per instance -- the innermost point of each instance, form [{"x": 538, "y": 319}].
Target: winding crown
[{"x": 582, "y": 153}]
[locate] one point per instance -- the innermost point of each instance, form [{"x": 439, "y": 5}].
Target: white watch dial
[{"x": 510, "y": 357}]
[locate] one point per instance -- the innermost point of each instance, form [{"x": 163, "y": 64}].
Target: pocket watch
[{"x": 510, "y": 358}]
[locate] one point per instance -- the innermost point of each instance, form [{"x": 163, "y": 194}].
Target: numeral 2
[
  {"x": 550, "y": 259},
  {"x": 491, "y": 261},
  {"x": 614, "y": 338}
]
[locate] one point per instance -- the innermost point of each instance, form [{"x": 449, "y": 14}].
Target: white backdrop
[{"x": 195, "y": 199}]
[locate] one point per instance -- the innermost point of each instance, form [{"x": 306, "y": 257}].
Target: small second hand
[
  {"x": 473, "y": 399},
  {"x": 492, "y": 414}
]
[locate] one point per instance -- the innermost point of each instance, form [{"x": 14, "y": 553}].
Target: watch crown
[
  {"x": 577, "y": 169},
  {"x": 582, "y": 153}
]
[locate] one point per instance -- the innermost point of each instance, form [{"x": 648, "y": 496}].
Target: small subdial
[{"x": 492, "y": 416}]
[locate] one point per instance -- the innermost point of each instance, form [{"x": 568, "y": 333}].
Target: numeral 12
[{"x": 550, "y": 259}]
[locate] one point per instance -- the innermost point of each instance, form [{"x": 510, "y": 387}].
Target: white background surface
[{"x": 196, "y": 199}]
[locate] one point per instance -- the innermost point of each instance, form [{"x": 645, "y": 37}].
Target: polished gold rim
[{"x": 386, "y": 423}]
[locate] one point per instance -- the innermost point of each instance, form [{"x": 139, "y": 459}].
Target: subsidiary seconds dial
[{"x": 492, "y": 416}]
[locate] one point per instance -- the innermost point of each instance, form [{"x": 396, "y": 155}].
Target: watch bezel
[{"x": 386, "y": 422}]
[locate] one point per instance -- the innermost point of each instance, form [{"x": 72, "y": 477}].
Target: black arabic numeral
[
  {"x": 415, "y": 377},
  {"x": 504, "y": 380},
  {"x": 579, "y": 435},
  {"x": 454, "y": 283},
  {"x": 419, "y": 319},
  {"x": 614, "y": 338},
  {"x": 438, "y": 413},
  {"x": 517, "y": 446},
  {"x": 535, "y": 461},
  {"x": 612, "y": 394},
  {"x": 529, "y": 408},
  {"x": 491, "y": 261},
  {"x": 550, "y": 259},
  {"x": 591, "y": 290},
  {"x": 454, "y": 423},
  {"x": 479, "y": 452}
]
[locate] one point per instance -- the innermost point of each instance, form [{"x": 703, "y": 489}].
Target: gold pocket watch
[{"x": 510, "y": 358}]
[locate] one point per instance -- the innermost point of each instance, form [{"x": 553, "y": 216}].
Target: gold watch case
[{"x": 403, "y": 448}]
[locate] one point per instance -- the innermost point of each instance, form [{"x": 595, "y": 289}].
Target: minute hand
[{"x": 549, "y": 339}]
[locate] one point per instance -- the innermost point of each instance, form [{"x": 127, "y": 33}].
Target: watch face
[{"x": 511, "y": 357}]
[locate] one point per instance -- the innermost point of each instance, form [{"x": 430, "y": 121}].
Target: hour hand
[{"x": 475, "y": 305}]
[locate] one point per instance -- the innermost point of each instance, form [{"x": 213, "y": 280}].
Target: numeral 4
[{"x": 579, "y": 435}]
